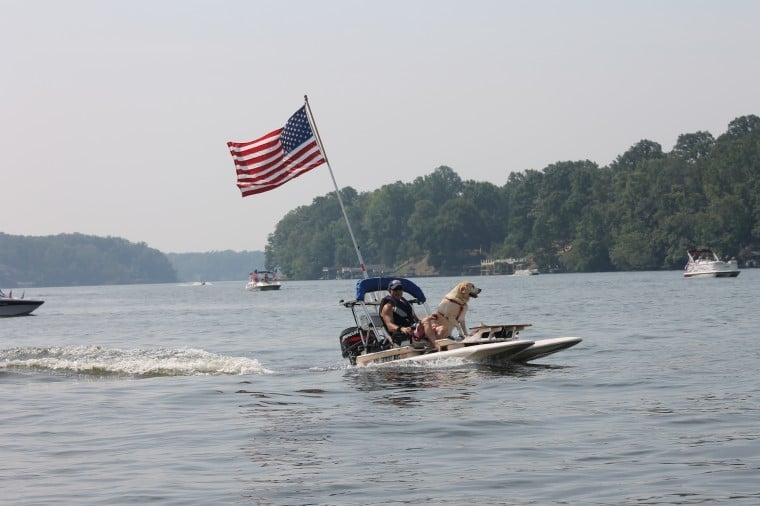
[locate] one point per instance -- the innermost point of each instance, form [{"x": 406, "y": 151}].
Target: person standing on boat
[{"x": 399, "y": 318}]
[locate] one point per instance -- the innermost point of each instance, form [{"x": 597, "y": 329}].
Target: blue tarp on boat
[{"x": 365, "y": 286}]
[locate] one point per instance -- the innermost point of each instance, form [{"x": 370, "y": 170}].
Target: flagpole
[{"x": 337, "y": 192}]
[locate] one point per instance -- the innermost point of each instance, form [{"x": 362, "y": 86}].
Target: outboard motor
[{"x": 351, "y": 344}]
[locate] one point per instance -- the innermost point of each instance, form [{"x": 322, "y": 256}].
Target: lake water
[{"x": 182, "y": 394}]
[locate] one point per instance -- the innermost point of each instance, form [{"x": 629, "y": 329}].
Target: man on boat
[{"x": 399, "y": 318}]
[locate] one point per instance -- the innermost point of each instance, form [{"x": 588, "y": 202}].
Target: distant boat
[
  {"x": 525, "y": 272},
  {"x": 261, "y": 281},
  {"x": 13, "y": 306},
  {"x": 705, "y": 263}
]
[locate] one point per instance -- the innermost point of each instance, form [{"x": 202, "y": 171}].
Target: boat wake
[{"x": 140, "y": 363}]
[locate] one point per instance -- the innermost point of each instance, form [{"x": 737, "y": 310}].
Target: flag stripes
[{"x": 277, "y": 157}]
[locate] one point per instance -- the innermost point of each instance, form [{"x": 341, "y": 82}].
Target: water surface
[{"x": 182, "y": 394}]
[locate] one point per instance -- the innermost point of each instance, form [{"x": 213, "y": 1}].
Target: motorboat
[
  {"x": 526, "y": 272},
  {"x": 14, "y": 306},
  {"x": 705, "y": 263},
  {"x": 261, "y": 285},
  {"x": 262, "y": 281},
  {"x": 368, "y": 341}
]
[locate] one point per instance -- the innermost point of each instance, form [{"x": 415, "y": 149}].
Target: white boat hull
[
  {"x": 712, "y": 274},
  {"x": 262, "y": 287},
  {"x": 18, "y": 307},
  {"x": 478, "y": 352},
  {"x": 545, "y": 347},
  {"x": 513, "y": 350}
]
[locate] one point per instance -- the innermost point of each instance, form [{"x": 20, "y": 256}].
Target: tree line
[
  {"x": 78, "y": 259},
  {"x": 641, "y": 212}
]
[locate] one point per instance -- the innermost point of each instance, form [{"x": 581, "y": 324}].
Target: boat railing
[{"x": 370, "y": 321}]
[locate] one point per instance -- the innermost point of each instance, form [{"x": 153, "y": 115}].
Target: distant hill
[
  {"x": 78, "y": 259},
  {"x": 216, "y": 265}
]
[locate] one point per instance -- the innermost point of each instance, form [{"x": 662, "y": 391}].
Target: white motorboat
[
  {"x": 14, "y": 306},
  {"x": 368, "y": 342},
  {"x": 262, "y": 281},
  {"x": 525, "y": 272},
  {"x": 705, "y": 263}
]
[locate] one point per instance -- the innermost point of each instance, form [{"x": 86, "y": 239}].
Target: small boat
[
  {"x": 368, "y": 341},
  {"x": 705, "y": 263},
  {"x": 14, "y": 306},
  {"x": 262, "y": 281},
  {"x": 526, "y": 272}
]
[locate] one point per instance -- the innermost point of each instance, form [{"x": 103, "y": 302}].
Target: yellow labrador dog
[{"x": 452, "y": 310}]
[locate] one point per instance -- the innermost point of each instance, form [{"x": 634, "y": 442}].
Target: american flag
[{"x": 276, "y": 158}]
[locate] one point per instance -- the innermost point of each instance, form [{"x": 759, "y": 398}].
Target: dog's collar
[{"x": 454, "y": 301}]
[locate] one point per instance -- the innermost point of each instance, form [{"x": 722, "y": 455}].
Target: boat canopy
[{"x": 365, "y": 286}]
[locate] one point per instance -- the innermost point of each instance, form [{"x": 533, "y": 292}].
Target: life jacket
[{"x": 403, "y": 314}]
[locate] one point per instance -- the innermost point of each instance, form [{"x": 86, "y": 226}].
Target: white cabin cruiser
[
  {"x": 369, "y": 342},
  {"x": 13, "y": 306},
  {"x": 705, "y": 263}
]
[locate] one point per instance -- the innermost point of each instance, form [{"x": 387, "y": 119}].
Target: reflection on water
[
  {"x": 389, "y": 378},
  {"x": 410, "y": 385}
]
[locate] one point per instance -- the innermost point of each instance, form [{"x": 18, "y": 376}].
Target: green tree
[{"x": 642, "y": 211}]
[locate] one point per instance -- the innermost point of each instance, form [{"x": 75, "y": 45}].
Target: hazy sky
[{"x": 116, "y": 114}]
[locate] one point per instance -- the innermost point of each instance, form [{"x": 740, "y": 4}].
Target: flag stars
[{"x": 297, "y": 130}]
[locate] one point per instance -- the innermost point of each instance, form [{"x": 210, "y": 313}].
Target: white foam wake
[{"x": 98, "y": 360}]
